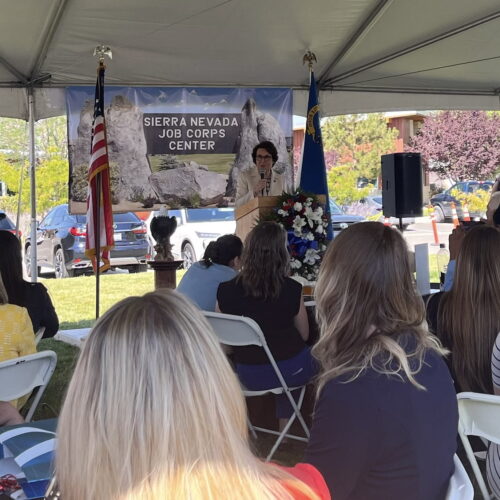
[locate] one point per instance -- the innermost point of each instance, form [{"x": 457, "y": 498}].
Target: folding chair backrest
[
  {"x": 235, "y": 330},
  {"x": 39, "y": 334},
  {"x": 480, "y": 415},
  {"x": 460, "y": 487},
  {"x": 19, "y": 376}
]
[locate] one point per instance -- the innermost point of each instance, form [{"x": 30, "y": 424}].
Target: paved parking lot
[{"x": 421, "y": 232}]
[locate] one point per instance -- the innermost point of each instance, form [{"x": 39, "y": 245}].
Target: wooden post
[{"x": 165, "y": 272}]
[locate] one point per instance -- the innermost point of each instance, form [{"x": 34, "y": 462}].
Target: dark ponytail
[{"x": 223, "y": 250}]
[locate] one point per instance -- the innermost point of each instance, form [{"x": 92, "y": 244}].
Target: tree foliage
[
  {"x": 357, "y": 142},
  {"x": 476, "y": 202},
  {"x": 52, "y": 169},
  {"x": 460, "y": 145},
  {"x": 342, "y": 184}
]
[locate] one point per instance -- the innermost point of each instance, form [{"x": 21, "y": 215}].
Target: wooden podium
[{"x": 249, "y": 214}]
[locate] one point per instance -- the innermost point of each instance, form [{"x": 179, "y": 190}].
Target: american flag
[{"x": 99, "y": 239}]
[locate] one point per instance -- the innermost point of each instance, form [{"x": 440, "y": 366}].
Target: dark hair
[
  {"x": 269, "y": 147},
  {"x": 223, "y": 250},
  {"x": 469, "y": 314},
  {"x": 11, "y": 267},
  {"x": 265, "y": 262},
  {"x": 496, "y": 217}
]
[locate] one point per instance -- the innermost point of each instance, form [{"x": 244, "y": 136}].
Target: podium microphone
[{"x": 262, "y": 177}]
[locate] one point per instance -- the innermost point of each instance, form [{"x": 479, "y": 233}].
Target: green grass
[
  {"x": 433, "y": 269},
  {"x": 220, "y": 163},
  {"x": 74, "y": 298},
  {"x": 53, "y": 396},
  {"x": 74, "y": 301}
]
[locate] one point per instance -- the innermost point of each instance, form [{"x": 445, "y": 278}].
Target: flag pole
[
  {"x": 100, "y": 51},
  {"x": 98, "y": 247},
  {"x": 98, "y": 219}
]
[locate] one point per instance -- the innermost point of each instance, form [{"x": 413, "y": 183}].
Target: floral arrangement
[{"x": 306, "y": 223}]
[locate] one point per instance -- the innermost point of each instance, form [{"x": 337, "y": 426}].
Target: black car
[
  {"x": 61, "y": 243},
  {"x": 341, "y": 220},
  {"x": 442, "y": 201}
]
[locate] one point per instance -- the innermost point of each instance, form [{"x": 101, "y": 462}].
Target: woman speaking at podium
[{"x": 260, "y": 179}]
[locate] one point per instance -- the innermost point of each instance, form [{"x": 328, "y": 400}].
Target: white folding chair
[
  {"x": 20, "y": 376},
  {"x": 479, "y": 416},
  {"x": 39, "y": 334},
  {"x": 460, "y": 487},
  {"x": 241, "y": 331}
]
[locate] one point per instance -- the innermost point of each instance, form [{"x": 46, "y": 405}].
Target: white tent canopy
[{"x": 373, "y": 55}]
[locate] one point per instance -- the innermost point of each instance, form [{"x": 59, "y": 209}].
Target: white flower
[
  {"x": 320, "y": 230},
  {"x": 309, "y": 236},
  {"x": 297, "y": 225},
  {"x": 295, "y": 264},
  {"x": 297, "y": 206},
  {"x": 319, "y": 211},
  {"x": 311, "y": 256},
  {"x": 282, "y": 212},
  {"x": 309, "y": 200},
  {"x": 323, "y": 248}
]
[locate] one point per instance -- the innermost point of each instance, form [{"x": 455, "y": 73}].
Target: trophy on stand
[{"x": 164, "y": 265}]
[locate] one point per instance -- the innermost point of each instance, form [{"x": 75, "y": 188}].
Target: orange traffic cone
[
  {"x": 466, "y": 213},
  {"x": 454, "y": 215},
  {"x": 434, "y": 224}
]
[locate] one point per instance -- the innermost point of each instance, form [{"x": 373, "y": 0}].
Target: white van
[{"x": 196, "y": 228}]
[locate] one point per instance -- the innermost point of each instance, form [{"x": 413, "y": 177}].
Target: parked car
[
  {"x": 196, "y": 228},
  {"x": 7, "y": 225},
  {"x": 61, "y": 243},
  {"x": 341, "y": 220},
  {"x": 442, "y": 201},
  {"x": 375, "y": 206}
]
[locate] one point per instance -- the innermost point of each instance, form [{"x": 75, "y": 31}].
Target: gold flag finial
[
  {"x": 310, "y": 59},
  {"x": 102, "y": 50}
]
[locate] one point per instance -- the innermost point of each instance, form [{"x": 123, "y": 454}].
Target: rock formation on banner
[
  {"x": 186, "y": 183},
  {"x": 256, "y": 127},
  {"x": 126, "y": 148}
]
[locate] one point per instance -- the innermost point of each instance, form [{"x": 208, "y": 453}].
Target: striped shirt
[{"x": 493, "y": 461}]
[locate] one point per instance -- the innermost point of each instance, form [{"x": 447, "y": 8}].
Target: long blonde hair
[
  {"x": 365, "y": 299},
  {"x": 154, "y": 411},
  {"x": 469, "y": 314}
]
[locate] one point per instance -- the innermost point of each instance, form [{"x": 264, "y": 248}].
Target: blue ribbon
[{"x": 299, "y": 246}]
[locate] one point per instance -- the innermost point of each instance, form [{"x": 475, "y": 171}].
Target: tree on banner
[
  {"x": 313, "y": 167},
  {"x": 99, "y": 240}
]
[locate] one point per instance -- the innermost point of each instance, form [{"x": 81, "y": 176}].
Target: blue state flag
[{"x": 313, "y": 169}]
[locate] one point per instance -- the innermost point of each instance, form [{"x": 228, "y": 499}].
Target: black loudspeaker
[{"x": 402, "y": 185}]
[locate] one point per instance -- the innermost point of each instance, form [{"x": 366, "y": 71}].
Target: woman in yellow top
[{"x": 16, "y": 333}]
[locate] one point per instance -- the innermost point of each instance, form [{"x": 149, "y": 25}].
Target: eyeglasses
[{"x": 263, "y": 158}]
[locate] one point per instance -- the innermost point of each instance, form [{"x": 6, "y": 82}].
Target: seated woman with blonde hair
[
  {"x": 154, "y": 411},
  {"x": 385, "y": 422}
]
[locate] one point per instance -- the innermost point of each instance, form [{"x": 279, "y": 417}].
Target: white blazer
[{"x": 247, "y": 181}]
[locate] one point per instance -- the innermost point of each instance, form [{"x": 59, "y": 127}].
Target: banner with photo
[{"x": 177, "y": 146}]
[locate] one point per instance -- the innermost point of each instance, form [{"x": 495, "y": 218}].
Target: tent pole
[{"x": 31, "y": 110}]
